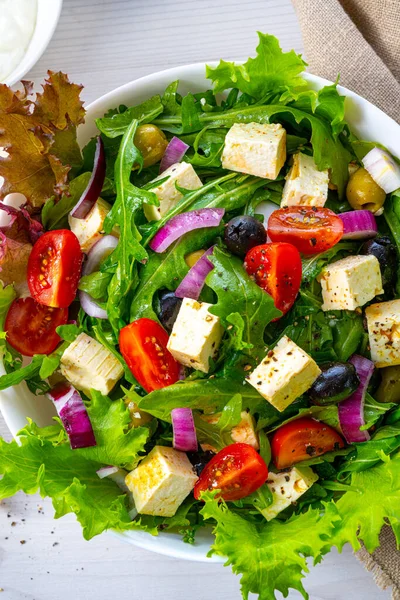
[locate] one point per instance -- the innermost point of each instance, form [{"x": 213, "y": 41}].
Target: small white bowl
[
  {"x": 48, "y": 15},
  {"x": 366, "y": 120}
]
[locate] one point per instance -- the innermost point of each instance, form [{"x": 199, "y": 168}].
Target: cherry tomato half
[
  {"x": 303, "y": 439},
  {"x": 143, "y": 345},
  {"x": 237, "y": 470},
  {"x": 54, "y": 268},
  {"x": 31, "y": 327},
  {"x": 309, "y": 228},
  {"x": 276, "y": 268}
]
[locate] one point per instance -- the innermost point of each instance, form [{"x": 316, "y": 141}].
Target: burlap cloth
[{"x": 360, "y": 39}]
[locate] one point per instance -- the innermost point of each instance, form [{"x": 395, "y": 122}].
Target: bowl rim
[
  {"x": 167, "y": 543},
  {"x": 47, "y": 18}
]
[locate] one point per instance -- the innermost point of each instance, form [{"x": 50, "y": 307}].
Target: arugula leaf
[
  {"x": 117, "y": 123},
  {"x": 201, "y": 394},
  {"x": 128, "y": 202},
  {"x": 271, "y": 73},
  {"x": 96, "y": 284},
  {"x": 167, "y": 270},
  {"x": 374, "y": 411},
  {"x": 376, "y": 502},
  {"x": 218, "y": 434},
  {"x": 271, "y": 556},
  {"x": 328, "y": 150},
  {"x": 313, "y": 265},
  {"x": 252, "y": 303},
  {"x": 55, "y": 214},
  {"x": 170, "y": 99}
]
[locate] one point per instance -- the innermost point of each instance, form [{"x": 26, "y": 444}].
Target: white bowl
[
  {"x": 367, "y": 121},
  {"x": 47, "y": 18}
]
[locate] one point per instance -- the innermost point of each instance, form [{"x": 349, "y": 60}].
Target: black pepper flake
[
  {"x": 22, "y": 542},
  {"x": 310, "y": 450},
  {"x": 287, "y": 478}
]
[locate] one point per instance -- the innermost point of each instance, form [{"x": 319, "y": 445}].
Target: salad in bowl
[{"x": 207, "y": 293}]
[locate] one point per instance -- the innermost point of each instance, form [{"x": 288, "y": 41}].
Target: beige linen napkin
[{"x": 360, "y": 39}]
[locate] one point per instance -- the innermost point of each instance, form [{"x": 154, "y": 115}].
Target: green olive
[
  {"x": 389, "y": 389},
  {"x": 151, "y": 142},
  {"x": 138, "y": 417},
  {"x": 363, "y": 193}
]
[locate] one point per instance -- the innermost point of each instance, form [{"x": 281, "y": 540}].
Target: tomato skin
[
  {"x": 143, "y": 345},
  {"x": 31, "y": 327},
  {"x": 54, "y": 268},
  {"x": 310, "y": 229},
  {"x": 303, "y": 439},
  {"x": 277, "y": 269},
  {"x": 237, "y": 470}
]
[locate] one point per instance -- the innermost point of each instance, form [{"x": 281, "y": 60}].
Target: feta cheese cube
[
  {"x": 196, "y": 335},
  {"x": 287, "y": 487},
  {"x": 350, "y": 282},
  {"x": 284, "y": 374},
  {"x": 305, "y": 184},
  {"x": 244, "y": 431},
  {"x": 256, "y": 149},
  {"x": 88, "y": 365},
  {"x": 182, "y": 174},
  {"x": 161, "y": 482},
  {"x": 384, "y": 332},
  {"x": 89, "y": 230}
]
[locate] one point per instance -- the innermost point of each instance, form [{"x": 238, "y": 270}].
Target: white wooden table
[{"x": 103, "y": 44}]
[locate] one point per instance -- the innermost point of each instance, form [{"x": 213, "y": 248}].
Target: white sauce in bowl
[{"x": 17, "y": 24}]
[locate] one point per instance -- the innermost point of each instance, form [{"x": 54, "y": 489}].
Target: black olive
[
  {"x": 199, "y": 460},
  {"x": 336, "y": 383},
  {"x": 385, "y": 252},
  {"x": 243, "y": 233},
  {"x": 167, "y": 308}
]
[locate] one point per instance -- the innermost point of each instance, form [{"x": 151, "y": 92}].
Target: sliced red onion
[
  {"x": 173, "y": 154},
  {"x": 358, "y": 225},
  {"x": 185, "y": 438},
  {"x": 383, "y": 169},
  {"x": 95, "y": 185},
  {"x": 73, "y": 414},
  {"x": 115, "y": 474},
  {"x": 351, "y": 410},
  {"x": 98, "y": 252},
  {"x": 192, "y": 284},
  {"x": 183, "y": 223}
]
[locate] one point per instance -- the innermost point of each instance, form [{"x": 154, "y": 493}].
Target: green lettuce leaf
[
  {"x": 376, "y": 502},
  {"x": 44, "y": 462},
  {"x": 272, "y": 556},
  {"x": 271, "y": 73}
]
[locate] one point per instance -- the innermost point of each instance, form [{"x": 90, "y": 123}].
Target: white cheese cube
[
  {"x": 256, "y": 149},
  {"x": 350, "y": 282},
  {"x": 87, "y": 364},
  {"x": 384, "y": 332},
  {"x": 89, "y": 230},
  {"x": 161, "y": 482},
  {"x": 284, "y": 374},
  {"x": 182, "y": 174},
  {"x": 244, "y": 432},
  {"x": 305, "y": 184},
  {"x": 287, "y": 487},
  {"x": 196, "y": 335}
]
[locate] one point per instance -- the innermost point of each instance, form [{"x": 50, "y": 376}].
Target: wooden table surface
[{"x": 103, "y": 44}]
